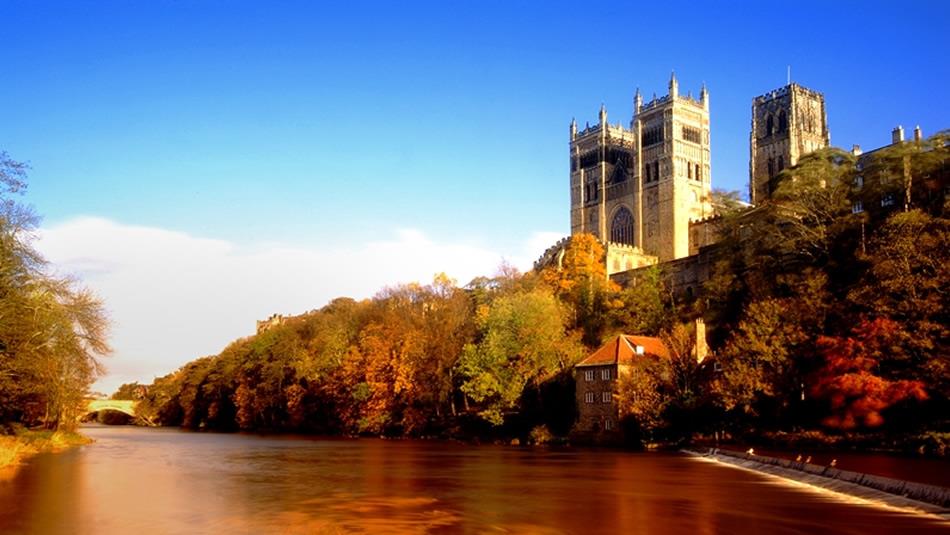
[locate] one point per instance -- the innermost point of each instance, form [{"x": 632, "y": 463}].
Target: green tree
[{"x": 522, "y": 341}]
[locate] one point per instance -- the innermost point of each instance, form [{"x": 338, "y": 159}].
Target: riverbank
[
  {"x": 904, "y": 495},
  {"x": 24, "y": 443}
]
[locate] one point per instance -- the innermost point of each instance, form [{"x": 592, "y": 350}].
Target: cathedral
[{"x": 644, "y": 189}]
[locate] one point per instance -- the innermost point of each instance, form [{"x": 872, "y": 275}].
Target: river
[{"x": 141, "y": 481}]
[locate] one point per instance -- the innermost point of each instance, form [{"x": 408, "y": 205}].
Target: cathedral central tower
[{"x": 787, "y": 123}]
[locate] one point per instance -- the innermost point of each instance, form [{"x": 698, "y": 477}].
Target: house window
[
  {"x": 859, "y": 182},
  {"x": 887, "y": 200},
  {"x": 605, "y": 374},
  {"x": 608, "y": 425},
  {"x": 606, "y": 397},
  {"x": 589, "y": 397},
  {"x": 589, "y": 375},
  {"x": 857, "y": 207}
]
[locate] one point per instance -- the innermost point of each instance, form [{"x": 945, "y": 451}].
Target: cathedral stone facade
[
  {"x": 638, "y": 188},
  {"x": 644, "y": 191}
]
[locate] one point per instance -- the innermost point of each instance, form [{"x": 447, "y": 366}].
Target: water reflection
[{"x": 164, "y": 481}]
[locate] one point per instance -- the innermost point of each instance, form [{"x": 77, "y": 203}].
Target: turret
[
  {"x": 704, "y": 97},
  {"x": 637, "y": 101},
  {"x": 573, "y": 129},
  {"x": 674, "y": 85},
  {"x": 603, "y": 115}
]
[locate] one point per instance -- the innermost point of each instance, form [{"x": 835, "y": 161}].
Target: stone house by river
[{"x": 598, "y": 416}]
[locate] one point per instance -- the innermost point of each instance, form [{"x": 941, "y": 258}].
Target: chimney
[
  {"x": 897, "y": 135},
  {"x": 701, "y": 349},
  {"x": 856, "y": 150},
  {"x": 918, "y": 135}
]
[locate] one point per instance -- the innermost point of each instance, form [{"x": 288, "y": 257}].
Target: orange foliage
[{"x": 848, "y": 381}]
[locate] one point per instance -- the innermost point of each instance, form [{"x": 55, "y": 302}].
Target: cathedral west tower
[
  {"x": 787, "y": 123},
  {"x": 639, "y": 188}
]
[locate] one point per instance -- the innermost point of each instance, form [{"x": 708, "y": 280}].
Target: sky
[{"x": 204, "y": 164}]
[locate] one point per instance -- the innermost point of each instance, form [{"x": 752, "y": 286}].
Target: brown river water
[{"x": 139, "y": 481}]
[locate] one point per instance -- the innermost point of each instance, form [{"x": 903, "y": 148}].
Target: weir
[{"x": 931, "y": 499}]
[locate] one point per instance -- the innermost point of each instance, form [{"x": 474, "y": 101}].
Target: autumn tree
[
  {"x": 850, "y": 378},
  {"x": 580, "y": 280},
  {"x": 907, "y": 282}
]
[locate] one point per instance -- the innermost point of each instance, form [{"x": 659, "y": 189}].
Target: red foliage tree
[{"x": 849, "y": 378}]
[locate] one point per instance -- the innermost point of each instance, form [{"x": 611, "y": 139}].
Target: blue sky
[{"x": 357, "y": 126}]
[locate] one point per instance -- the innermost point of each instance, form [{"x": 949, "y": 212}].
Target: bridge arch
[{"x": 118, "y": 405}]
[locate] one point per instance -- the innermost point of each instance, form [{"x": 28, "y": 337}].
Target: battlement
[
  {"x": 615, "y": 130},
  {"x": 625, "y": 247},
  {"x": 550, "y": 255},
  {"x": 704, "y": 220},
  {"x": 783, "y": 91},
  {"x": 659, "y": 102}
]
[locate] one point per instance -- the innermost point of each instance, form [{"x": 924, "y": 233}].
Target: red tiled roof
[{"x": 623, "y": 349}]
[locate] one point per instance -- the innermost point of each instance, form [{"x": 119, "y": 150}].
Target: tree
[
  {"x": 907, "y": 282},
  {"x": 522, "y": 341},
  {"x": 645, "y": 306},
  {"x": 51, "y": 331},
  {"x": 850, "y": 379},
  {"x": 580, "y": 281}
]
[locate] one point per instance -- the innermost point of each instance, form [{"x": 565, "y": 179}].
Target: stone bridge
[{"x": 120, "y": 405}]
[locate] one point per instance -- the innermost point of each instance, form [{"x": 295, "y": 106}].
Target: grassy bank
[{"x": 23, "y": 443}]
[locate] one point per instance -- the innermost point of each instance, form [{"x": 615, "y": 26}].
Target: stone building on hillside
[
  {"x": 598, "y": 415},
  {"x": 273, "y": 321},
  {"x": 877, "y": 193}
]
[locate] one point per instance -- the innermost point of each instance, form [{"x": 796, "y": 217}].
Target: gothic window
[
  {"x": 656, "y": 170},
  {"x": 782, "y": 121},
  {"x": 620, "y": 173},
  {"x": 768, "y": 126},
  {"x": 592, "y": 191},
  {"x": 648, "y": 169},
  {"x": 689, "y": 170},
  {"x": 691, "y": 134},
  {"x": 771, "y": 168},
  {"x": 652, "y": 135},
  {"x": 621, "y": 228},
  {"x": 699, "y": 172}
]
